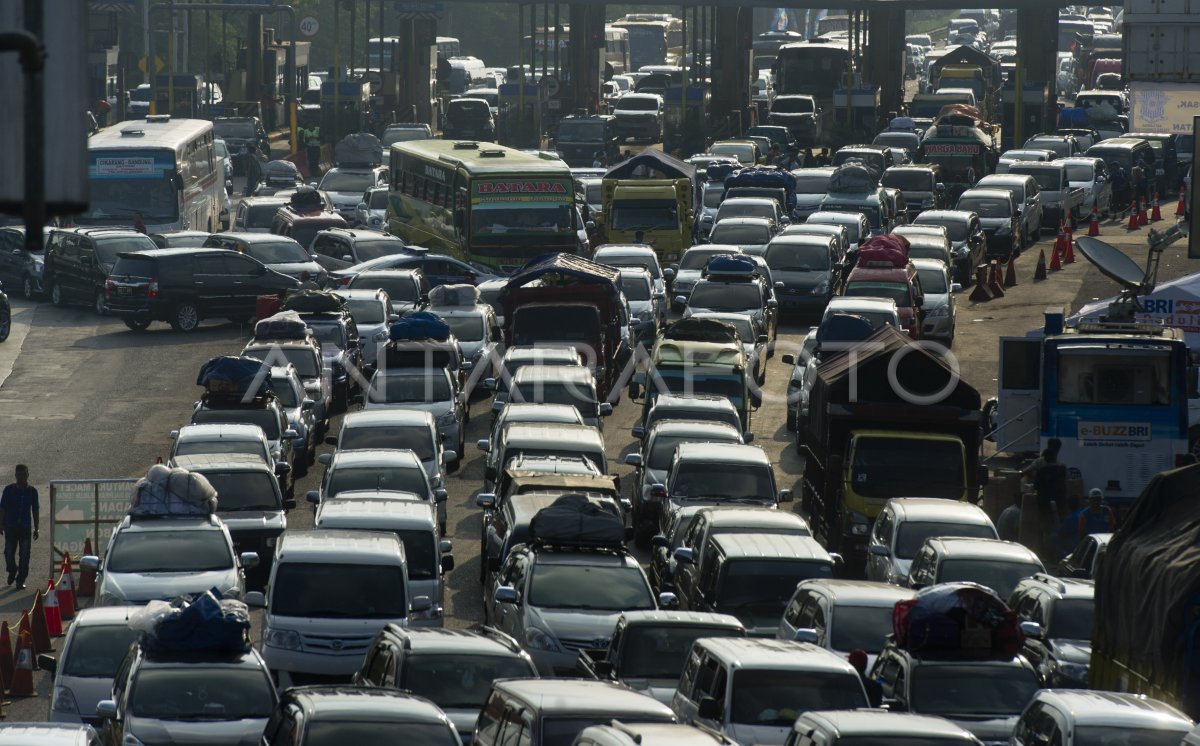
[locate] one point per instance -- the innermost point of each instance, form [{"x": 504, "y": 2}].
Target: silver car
[
  {"x": 479, "y": 336},
  {"x": 151, "y": 558},
  {"x": 371, "y": 212},
  {"x": 647, "y": 310},
  {"x": 373, "y": 315},
  {"x": 903, "y": 525},
  {"x": 379, "y": 469},
  {"x": 433, "y": 390},
  {"x": 96, "y": 643},
  {"x": 345, "y": 186},
  {"x": 410, "y": 429},
  {"x": 692, "y": 265},
  {"x": 940, "y": 307}
]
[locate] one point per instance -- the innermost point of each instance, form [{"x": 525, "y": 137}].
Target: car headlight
[
  {"x": 939, "y": 312},
  {"x": 63, "y": 700},
  {"x": 540, "y": 639},
  {"x": 860, "y": 525},
  {"x": 447, "y": 419},
  {"x": 822, "y": 288},
  {"x": 285, "y": 639}
]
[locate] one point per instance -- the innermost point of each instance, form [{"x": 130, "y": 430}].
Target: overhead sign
[
  {"x": 1162, "y": 107},
  {"x": 158, "y": 64},
  {"x": 309, "y": 25},
  {"x": 419, "y": 11}
]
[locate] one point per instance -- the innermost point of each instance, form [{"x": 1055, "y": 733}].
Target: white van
[
  {"x": 427, "y": 553},
  {"x": 329, "y": 594}
]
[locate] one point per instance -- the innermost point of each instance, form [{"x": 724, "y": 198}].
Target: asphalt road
[{"x": 87, "y": 398}]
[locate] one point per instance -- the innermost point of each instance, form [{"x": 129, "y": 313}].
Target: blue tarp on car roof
[{"x": 568, "y": 265}]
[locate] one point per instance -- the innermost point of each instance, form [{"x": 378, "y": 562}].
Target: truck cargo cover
[
  {"x": 1148, "y": 584},
  {"x": 657, "y": 161},
  {"x": 567, "y": 268}
]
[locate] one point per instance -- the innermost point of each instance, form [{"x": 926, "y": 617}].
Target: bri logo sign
[{"x": 1122, "y": 431}]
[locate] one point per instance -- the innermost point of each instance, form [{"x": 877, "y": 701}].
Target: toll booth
[
  {"x": 103, "y": 74},
  {"x": 1033, "y": 103},
  {"x": 684, "y": 128},
  {"x": 859, "y": 119},
  {"x": 342, "y": 107},
  {"x": 275, "y": 82},
  {"x": 178, "y": 95},
  {"x": 520, "y": 120}
]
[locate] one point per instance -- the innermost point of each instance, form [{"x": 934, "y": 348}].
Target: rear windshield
[
  {"x": 378, "y": 478},
  {"x": 399, "y": 289},
  {"x": 1048, "y": 179},
  {"x": 986, "y": 207},
  {"x": 97, "y": 650},
  {"x": 787, "y": 257},
  {"x": 792, "y": 105},
  {"x": 811, "y": 183},
  {"x": 417, "y": 439},
  {"x": 245, "y": 490},
  {"x": 260, "y": 215},
  {"x": 267, "y": 419},
  {"x": 306, "y": 360},
  {"x": 370, "y": 248},
  {"x": 908, "y": 181},
  {"x": 108, "y": 248},
  {"x": 135, "y": 267},
  {"x": 332, "y": 591}
]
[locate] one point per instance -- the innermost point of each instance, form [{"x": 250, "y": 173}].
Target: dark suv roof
[
  {"x": 365, "y": 703},
  {"x": 99, "y": 231},
  {"x": 489, "y": 641}
]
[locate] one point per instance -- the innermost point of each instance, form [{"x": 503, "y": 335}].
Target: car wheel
[
  {"x": 56, "y": 295},
  {"x": 98, "y": 304},
  {"x": 187, "y": 317},
  {"x": 5, "y": 323},
  {"x": 137, "y": 325},
  {"x": 27, "y": 287}
]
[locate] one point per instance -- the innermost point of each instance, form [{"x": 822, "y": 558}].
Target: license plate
[{"x": 124, "y": 291}]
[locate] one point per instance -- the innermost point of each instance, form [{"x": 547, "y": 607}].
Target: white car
[
  {"x": 372, "y": 210},
  {"x": 96, "y": 643},
  {"x": 434, "y": 390},
  {"x": 940, "y": 309},
  {"x": 345, "y": 186},
  {"x": 903, "y": 525}
]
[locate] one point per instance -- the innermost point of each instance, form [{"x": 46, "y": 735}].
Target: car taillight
[
  {"x": 344, "y": 280},
  {"x": 109, "y": 285},
  {"x": 152, "y": 288}
]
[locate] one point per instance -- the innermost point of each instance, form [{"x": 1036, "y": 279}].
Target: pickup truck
[
  {"x": 1060, "y": 200},
  {"x": 648, "y": 648}
]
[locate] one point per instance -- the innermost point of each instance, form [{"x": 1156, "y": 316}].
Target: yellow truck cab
[{"x": 657, "y": 212}]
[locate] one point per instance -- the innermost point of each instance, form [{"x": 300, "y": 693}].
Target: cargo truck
[
  {"x": 886, "y": 419},
  {"x": 657, "y": 212},
  {"x": 1161, "y": 67}
]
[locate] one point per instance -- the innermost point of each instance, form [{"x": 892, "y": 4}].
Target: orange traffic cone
[
  {"x": 38, "y": 626},
  {"x": 22, "y": 679},
  {"x": 1181, "y": 208},
  {"x": 65, "y": 589},
  {"x": 995, "y": 279},
  {"x": 1155, "y": 213},
  {"x": 1069, "y": 247},
  {"x": 6, "y": 657},
  {"x": 87, "y": 578},
  {"x": 53, "y": 617},
  {"x": 1055, "y": 259},
  {"x": 1094, "y": 223},
  {"x": 1010, "y": 274},
  {"x": 1133, "y": 219},
  {"x": 1143, "y": 219},
  {"x": 1060, "y": 243},
  {"x": 981, "y": 292},
  {"x": 1040, "y": 272}
]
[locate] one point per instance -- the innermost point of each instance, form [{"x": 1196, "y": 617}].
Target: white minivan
[
  {"x": 415, "y": 522},
  {"x": 329, "y": 594}
]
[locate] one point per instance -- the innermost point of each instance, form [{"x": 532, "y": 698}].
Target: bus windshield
[
  {"x": 126, "y": 183},
  {"x": 644, "y": 214},
  {"x": 502, "y": 219}
]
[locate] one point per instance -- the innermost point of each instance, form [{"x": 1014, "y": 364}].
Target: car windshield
[
  {"x": 267, "y": 419},
  {"x": 913, "y": 534},
  {"x": 1080, "y": 172},
  {"x": 259, "y": 215},
  {"x": 884, "y": 467},
  {"x": 422, "y": 554},
  {"x": 864, "y": 627},
  {"x": 870, "y": 211},
  {"x": 692, "y": 382},
  {"x": 379, "y": 478},
  {"x": 713, "y": 194},
  {"x": 777, "y": 697},
  {"x": 933, "y": 281},
  {"x": 1116, "y": 735},
  {"x": 956, "y": 230},
  {"x": 95, "y": 651},
  {"x": 245, "y": 490},
  {"x": 328, "y": 332},
  {"x": 400, "y": 288},
  {"x": 1000, "y": 575},
  {"x": 415, "y": 438},
  {"x": 912, "y": 180},
  {"x": 395, "y": 135},
  {"x": 727, "y": 297},
  {"x": 662, "y": 450},
  {"x": 739, "y": 234},
  {"x": 326, "y": 590},
  {"x": 371, "y": 248},
  {"x": 756, "y": 591},
  {"x": 644, "y": 214},
  {"x": 370, "y": 311},
  {"x": 637, "y": 103},
  {"x": 811, "y": 183},
  {"x": 716, "y": 481},
  {"x": 659, "y": 652},
  {"x": 378, "y": 733},
  {"x": 306, "y": 359},
  {"x": 1048, "y": 179},
  {"x": 986, "y": 208},
  {"x": 575, "y": 130},
  {"x": 206, "y": 693},
  {"x": 589, "y": 586},
  {"x": 788, "y": 105},
  {"x": 737, "y": 208},
  {"x": 420, "y": 387},
  {"x": 698, "y": 258},
  {"x": 238, "y": 129},
  {"x": 347, "y": 181},
  {"x": 897, "y": 291},
  {"x": 196, "y": 446},
  {"x": 278, "y": 252},
  {"x": 457, "y": 680},
  {"x": 971, "y": 690},
  {"x": 169, "y": 552},
  {"x": 635, "y": 288},
  {"x": 582, "y": 396},
  {"x": 1071, "y": 620},
  {"x": 792, "y": 257},
  {"x": 108, "y": 248}
]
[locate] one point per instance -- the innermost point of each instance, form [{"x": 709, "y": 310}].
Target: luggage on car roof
[
  {"x": 730, "y": 265},
  {"x": 855, "y": 175},
  {"x": 359, "y": 149},
  {"x": 233, "y": 376},
  {"x": 454, "y": 295},
  {"x": 420, "y": 325},
  {"x": 961, "y": 618},
  {"x": 314, "y": 301},
  {"x": 884, "y": 251},
  {"x": 173, "y": 491},
  {"x": 306, "y": 199},
  {"x": 199, "y": 623},
  {"x": 574, "y": 520},
  {"x": 283, "y": 325},
  {"x": 701, "y": 330}
]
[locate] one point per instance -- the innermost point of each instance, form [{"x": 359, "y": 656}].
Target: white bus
[{"x": 162, "y": 169}]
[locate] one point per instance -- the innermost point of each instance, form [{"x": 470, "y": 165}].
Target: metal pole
[
  {"x": 337, "y": 74},
  {"x": 521, "y": 62},
  {"x": 207, "y": 59},
  {"x": 146, "y": 34},
  {"x": 366, "y": 43},
  {"x": 32, "y": 56},
  {"x": 557, "y": 66},
  {"x": 545, "y": 38},
  {"x": 683, "y": 79},
  {"x": 382, "y": 36}
]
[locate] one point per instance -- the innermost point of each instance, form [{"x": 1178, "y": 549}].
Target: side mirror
[
  {"x": 325, "y": 458},
  {"x": 282, "y": 469},
  {"x": 485, "y": 500},
  {"x": 90, "y": 563},
  {"x": 497, "y": 406},
  {"x": 684, "y": 556},
  {"x": 762, "y": 339},
  {"x": 709, "y": 709},
  {"x": 174, "y": 434},
  {"x": 106, "y": 709},
  {"x": 879, "y": 550},
  {"x": 605, "y": 409},
  {"x": 788, "y": 359},
  {"x": 956, "y": 287},
  {"x": 633, "y": 459},
  {"x": 681, "y": 300},
  {"x": 362, "y": 206},
  {"x": 669, "y": 273},
  {"x": 307, "y": 406},
  {"x": 806, "y": 634},
  {"x": 47, "y": 663},
  {"x": 313, "y": 497},
  {"x": 449, "y": 457},
  {"x": 747, "y": 437},
  {"x": 659, "y": 541},
  {"x": 289, "y": 503},
  {"x": 1031, "y": 629},
  {"x": 638, "y": 432},
  {"x": 484, "y": 445},
  {"x": 447, "y": 563},
  {"x": 506, "y": 594},
  {"x": 785, "y": 496},
  {"x": 248, "y": 560},
  {"x": 668, "y": 600},
  {"x": 440, "y": 495},
  {"x": 420, "y": 604},
  {"x": 329, "y": 439},
  {"x": 772, "y": 303}
]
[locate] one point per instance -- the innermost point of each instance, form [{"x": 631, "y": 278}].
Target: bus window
[{"x": 1087, "y": 377}]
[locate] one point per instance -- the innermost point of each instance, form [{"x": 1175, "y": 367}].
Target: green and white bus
[{"x": 481, "y": 202}]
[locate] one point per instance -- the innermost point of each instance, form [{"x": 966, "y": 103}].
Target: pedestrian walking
[
  {"x": 1050, "y": 482},
  {"x": 1096, "y": 518},
  {"x": 19, "y": 511},
  {"x": 255, "y": 161}
]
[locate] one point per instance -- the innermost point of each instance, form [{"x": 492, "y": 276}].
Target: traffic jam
[{"x": 632, "y": 437}]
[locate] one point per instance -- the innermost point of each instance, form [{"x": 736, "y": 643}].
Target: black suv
[
  {"x": 309, "y": 715},
  {"x": 239, "y": 133},
  {"x": 185, "y": 286},
  {"x": 19, "y": 266},
  {"x": 339, "y": 248},
  {"x": 1056, "y": 617},
  {"x": 468, "y": 118},
  {"x": 79, "y": 262}
]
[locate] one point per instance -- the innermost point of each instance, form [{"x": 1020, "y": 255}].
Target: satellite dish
[{"x": 1112, "y": 263}]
